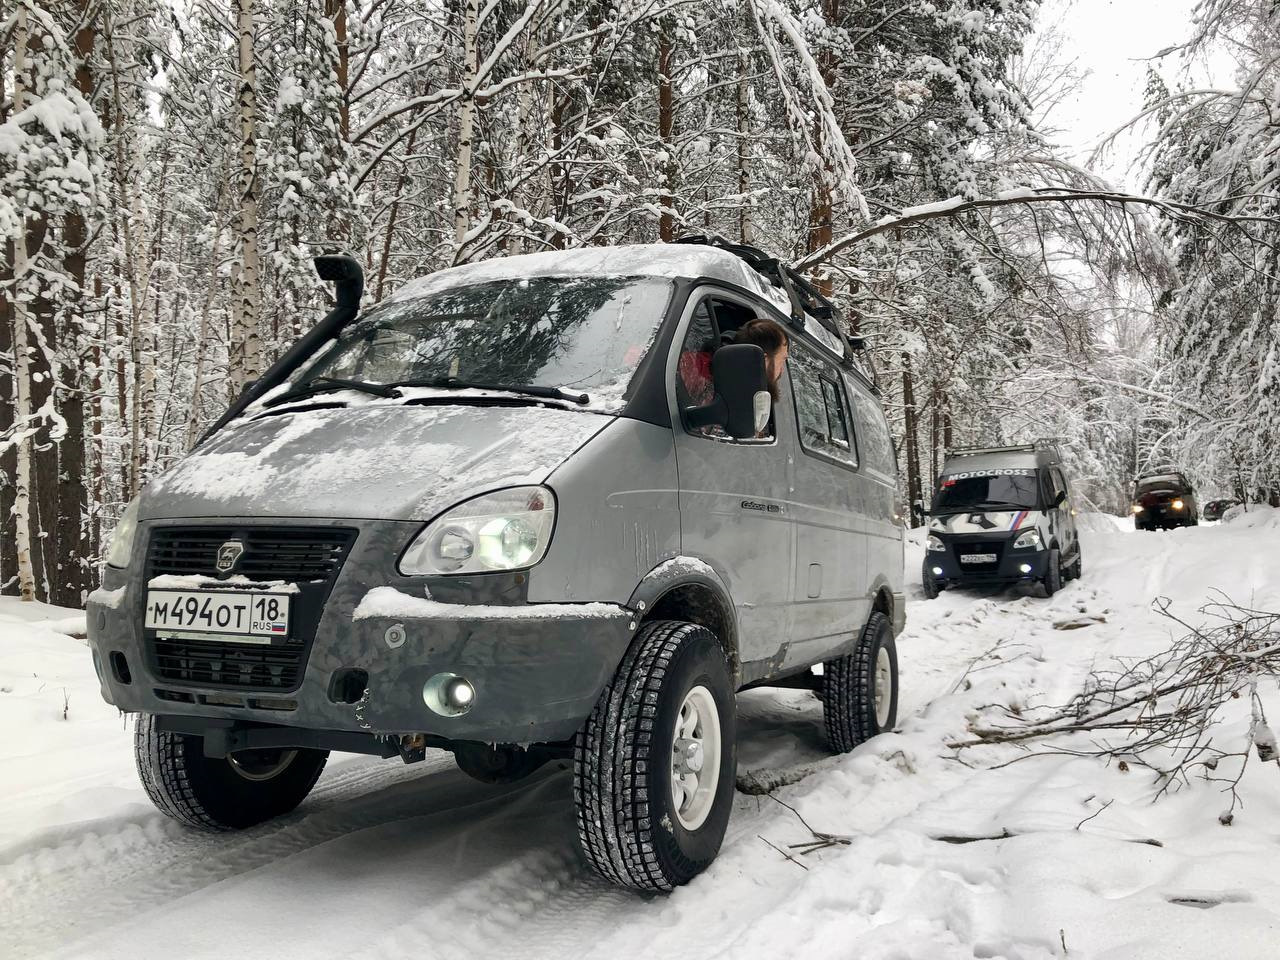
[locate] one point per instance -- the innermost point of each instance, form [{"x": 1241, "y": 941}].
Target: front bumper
[
  {"x": 536, "y": 679},
  {"x": 1006, "y": 569}
]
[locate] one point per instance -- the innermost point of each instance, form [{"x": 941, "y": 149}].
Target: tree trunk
[
  {"x": 742, "y": 109},
  {"x": 21, "y": 356},
  {"x": 336, "y": 10},
  {"x": 245, "y": 348},
  {"x": 71, "y": 546},
  {"x": 666, "y": 132},
  {"x": 8, "y": 407},
  {"x": 466, "y": 124},
  {"x": 401, "y": 182},
  {"x": 914, "y": 491}
]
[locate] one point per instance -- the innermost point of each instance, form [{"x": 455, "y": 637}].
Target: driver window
[{"x": 713, "y": 324}]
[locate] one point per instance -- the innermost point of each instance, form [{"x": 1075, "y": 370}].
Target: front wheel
[
  {"x": 220, "y": 793},
  {"x": 929, "y": 582},
  {"x": 860, "y": 689},
  {"x": 654, "y": 766},
  {"x": 1053, "y": 573}
]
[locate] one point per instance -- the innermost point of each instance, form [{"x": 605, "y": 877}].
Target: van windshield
[
  {"x": 1011, "y": 489},
  {"x": 580, "y": 334}
]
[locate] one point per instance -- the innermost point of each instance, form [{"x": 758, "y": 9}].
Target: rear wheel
[
  {"x": 220, "y": 793},
  {"x": 654, "y": 766},
  {"x": 860, "y": 689},
  {"x": 1053, "y": 573},
  {"x": 1074, "y": 571}
]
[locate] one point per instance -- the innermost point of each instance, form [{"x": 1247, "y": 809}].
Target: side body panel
[{"x": 617, "y": 516}]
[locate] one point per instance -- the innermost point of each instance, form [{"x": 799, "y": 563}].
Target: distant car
[
  {"x": 1002, "y": 515},
  {"x": 1164, "y": 500},
  {"x": 1214, "y": 509}
]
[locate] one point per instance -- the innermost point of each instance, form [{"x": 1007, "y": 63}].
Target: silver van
[
  {"x": 534, "y": 508},
  {"x": 1002, "y": 515}
]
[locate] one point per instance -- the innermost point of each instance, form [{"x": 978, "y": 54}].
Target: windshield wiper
[
  {"x": 528, "y": 389},
  {"x": 329, "y": 385},
  {"x": 979, "y": 507}
]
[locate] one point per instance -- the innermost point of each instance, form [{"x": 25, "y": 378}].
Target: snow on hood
[
  {"x": 992, "y": 521},
  {"x": 628, "y": 260},
  {"x": 374, "y": 462}
]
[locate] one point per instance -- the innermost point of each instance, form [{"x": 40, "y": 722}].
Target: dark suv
[{"x": 1164, "y": 500}]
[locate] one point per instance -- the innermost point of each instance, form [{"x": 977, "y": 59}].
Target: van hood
[
  {"x": 989, "y": 521},
  {"x": 377, "y": 462}
]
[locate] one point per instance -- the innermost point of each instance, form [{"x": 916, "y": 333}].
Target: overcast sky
[{"x": 1108, "y": 38}]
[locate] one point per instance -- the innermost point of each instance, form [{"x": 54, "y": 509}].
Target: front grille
[
  {"x": 207, "y": 664},
  {"x": 995, "y": 547},
  {"x": 310, "y": 557},
  {"x": 270, "y": 553}
]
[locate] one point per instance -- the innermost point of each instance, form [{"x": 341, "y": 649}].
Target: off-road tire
[
  {"x": 929, "y": 582},
  {"x": 500, "y": 765},
  {"x": 622, "y": 761},
  {"x": 1052, "y": 581},
  {"x": 849, "y": 688},
  {"x": 208, "y": 793}
]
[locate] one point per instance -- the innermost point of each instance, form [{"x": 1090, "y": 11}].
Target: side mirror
[
  {"x": 1060, "y": 499},
  {"x": 742, "y": 403}
]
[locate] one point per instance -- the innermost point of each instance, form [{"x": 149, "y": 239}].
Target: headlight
[
  {"x": 506, "y": 530},
  {"x": 1028, "y": 540},
  {"x": 122, "y": 536},
  {"x": 1137, "y": 508},
  {"x": 934, "y": 545},
  {"x": 1177, "y": 504}
]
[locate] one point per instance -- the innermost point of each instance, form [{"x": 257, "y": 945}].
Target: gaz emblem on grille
[{"x": 228, "y": 554}]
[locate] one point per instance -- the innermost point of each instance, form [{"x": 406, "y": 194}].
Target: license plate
[
  {"x": 256, "y": 617},
  {"x": 978, "y": 558}
]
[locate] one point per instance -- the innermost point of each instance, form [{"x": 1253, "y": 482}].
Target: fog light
[
  {"x": 1177, "y": 504},
  {"x": 449, "y": 694},
  {"x": 937, "y": 571},
  {"x": 1024, "y": 567}
]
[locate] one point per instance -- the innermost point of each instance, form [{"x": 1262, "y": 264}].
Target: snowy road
[{"x": 386, "y": 860}]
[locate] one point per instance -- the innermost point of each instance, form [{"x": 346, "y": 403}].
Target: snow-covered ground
[{"x": 386, "y": 860}]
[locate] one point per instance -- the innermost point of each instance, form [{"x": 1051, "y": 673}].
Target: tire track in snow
[{"x": 54, "y": 895}]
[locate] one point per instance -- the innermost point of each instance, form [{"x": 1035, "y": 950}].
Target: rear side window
[
  {"x": 822, "y": 409},
  {"x": 872, "y": 431}
]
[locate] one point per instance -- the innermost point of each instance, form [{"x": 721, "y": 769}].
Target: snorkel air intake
[{"x": 347, "y": 276}]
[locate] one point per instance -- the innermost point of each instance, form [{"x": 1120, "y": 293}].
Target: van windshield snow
[
  {"x": 980, "y": 490},
  {"x": 551, "y": 333}
]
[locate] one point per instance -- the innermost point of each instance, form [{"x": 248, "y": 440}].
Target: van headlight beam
[{"x": 504, "y": 530}]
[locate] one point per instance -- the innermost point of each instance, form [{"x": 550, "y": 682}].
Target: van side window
[
  {"x": 822, "y": 410},
  {"x": 872, "y": 431}
]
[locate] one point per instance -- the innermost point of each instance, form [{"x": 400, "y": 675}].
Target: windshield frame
[{"x": 604, "y": 397}]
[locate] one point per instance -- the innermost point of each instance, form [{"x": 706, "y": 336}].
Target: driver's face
[{"x": 775, "y": 363}]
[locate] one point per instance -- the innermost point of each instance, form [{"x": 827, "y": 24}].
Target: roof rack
[
  {"x": 805, "y": 299},
  {"x": 1049, "y": 445}
]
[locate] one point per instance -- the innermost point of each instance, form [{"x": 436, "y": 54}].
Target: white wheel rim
[
  {"x": 695, "y": 758},
  {"x": 884, "y": 687}
]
